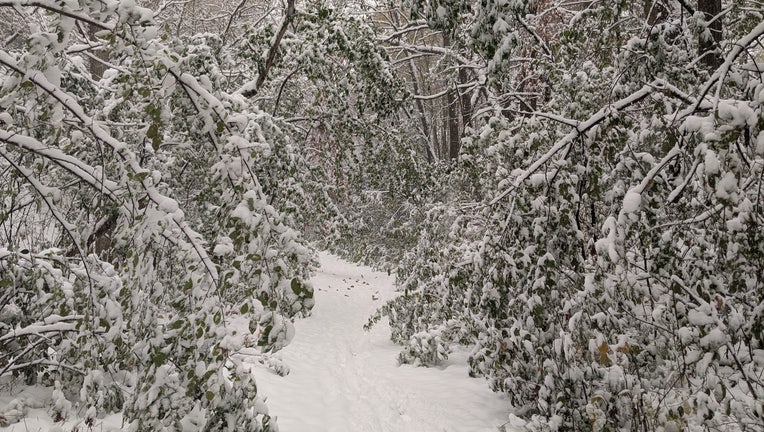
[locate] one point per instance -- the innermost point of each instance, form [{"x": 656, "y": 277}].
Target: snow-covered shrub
[
  {"x": 139, "y": 210},
  {"x": 610, "y": 278},
  {"x": 338, "y": 85}
]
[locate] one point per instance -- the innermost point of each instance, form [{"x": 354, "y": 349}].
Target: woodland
[{"x": 571, "y": 189}]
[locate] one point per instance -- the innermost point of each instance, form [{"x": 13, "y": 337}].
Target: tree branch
[{"x": 248, "y": 90}]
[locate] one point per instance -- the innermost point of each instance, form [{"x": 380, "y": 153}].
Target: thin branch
[
  {"x": 687, "y": 7},
  {"x": 580, "y": 130},
  {"x": 230, "y": 20},
  {"x": 248, "y": 90},
  {"x": 78, "y": 168},
  {"x": 51, "y": 7}
]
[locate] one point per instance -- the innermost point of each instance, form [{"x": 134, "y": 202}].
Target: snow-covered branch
[
  {"x": 166, "y": 204},
  {"x": 90, "y": 175},
  {"x": 580, "y": 130},
  {"x": 51, "y": 324}
]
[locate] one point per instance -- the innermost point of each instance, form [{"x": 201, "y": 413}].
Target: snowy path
[{"x": 346, "y": 380}]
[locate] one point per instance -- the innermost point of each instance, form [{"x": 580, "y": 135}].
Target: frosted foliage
[
  {"x": 570, "y": 190},
  {"x": 135, "y": 224},
  {"x": 603, "y": 253}
]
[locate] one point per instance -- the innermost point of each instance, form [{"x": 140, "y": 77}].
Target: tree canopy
[{"x": 573, "y": 189}]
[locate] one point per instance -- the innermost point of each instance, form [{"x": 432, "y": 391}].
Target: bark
[
  {"x": 454, "y": 137},
  {"x": 98, "y": 63},
  {"x": 466, "y": 102},
  {"x": 709, "y": 48},
  {"x": 451, "y": 133},
  {"x": 262, "y": 73},
  {"x": 429, "y": 146}
]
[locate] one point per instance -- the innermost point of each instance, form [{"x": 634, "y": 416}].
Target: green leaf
[
  {"x": 176, "y": 324},
  {"x": 208, "y": 374},
  {"x": 141, "y": 176},
  {"x": 297, "y": 286},
  {"x": 153, "y": 134},
  {"x": 159, "y": 359}
]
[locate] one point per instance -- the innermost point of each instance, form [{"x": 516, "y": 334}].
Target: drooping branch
[
  {"x": 251, "y": 89},
  {"x": 580, "y": 130},
  {"x": 718, "y": 78},
  {"x": 90, "y": 175},
  {"x": 167, "y": 204},
  {"x": 46, "y": 195},
  {"x": 55, "y": 8}
]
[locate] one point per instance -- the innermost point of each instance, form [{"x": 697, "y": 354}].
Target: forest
[{"x": 571, "y": 189}]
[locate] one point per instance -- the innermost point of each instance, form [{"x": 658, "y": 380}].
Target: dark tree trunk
[
  {"x": 466, "y": 106},
  {"x": 97, "y": 64},
  {"x": 451, "y": 132},
  {"x": 454, "y": 137},
  {"x": 709, "y": 49},
  {"x": 656, "y": 11}
]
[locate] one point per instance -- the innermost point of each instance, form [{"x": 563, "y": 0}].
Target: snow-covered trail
[{"x": 345, "y": 379}]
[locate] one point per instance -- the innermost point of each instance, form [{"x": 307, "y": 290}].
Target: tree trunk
[
  {"x": 97, "y": 64},
  {"x": 656, "y": 11},
  {"x": 454, "y": 137},
  {"x": 429, "y": 147},
  {"x": 451, "y": 133},
  {"x": 709, "y": 48},
  {"x": 466, "y": 101}
]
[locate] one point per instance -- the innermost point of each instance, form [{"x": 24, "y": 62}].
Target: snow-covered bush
[
  {"x": 610, "y": 276},
  {"x": 139, "y": 211},
  {"x": 339, "y": 97}
]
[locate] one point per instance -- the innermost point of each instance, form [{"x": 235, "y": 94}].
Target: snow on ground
[
  {"x": 344, "y": 379},
  {"x": 26, "y": 409}
]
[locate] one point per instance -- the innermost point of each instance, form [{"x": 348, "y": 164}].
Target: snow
[
  {"x": 341, "y": 377},
  {"x": 345, "y": 379},
  {"x": 715, "y": 338},
  {"x": 25, "y": 410},
  {"x": 726, "y": 186},
  {"x": 631, "y": 202},
  {"x": 737, "y": 113},
  {"x": 500, "y": 26},
  {"x": 711, "y": 163}
]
